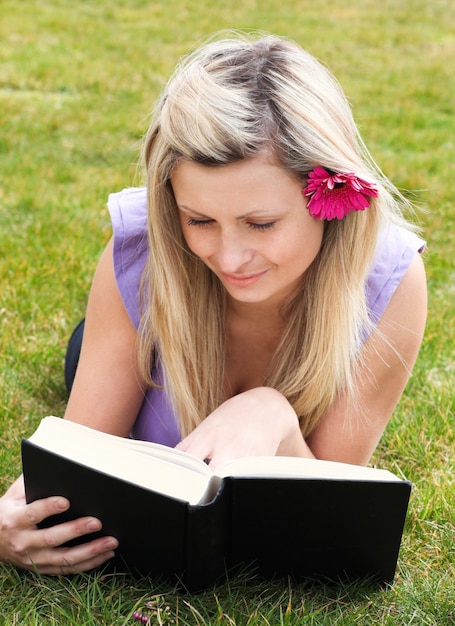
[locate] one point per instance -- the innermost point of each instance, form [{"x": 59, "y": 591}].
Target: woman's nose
[{"x": 233, "y": 253}]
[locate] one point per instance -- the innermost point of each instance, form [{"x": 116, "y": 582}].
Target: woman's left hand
[{"x": 256, "y": 422}]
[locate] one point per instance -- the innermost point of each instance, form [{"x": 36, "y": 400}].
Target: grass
[{"x": 77, "y": 82}]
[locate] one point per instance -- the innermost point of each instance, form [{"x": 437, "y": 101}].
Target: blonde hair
[{"x": 230, "y": 100}]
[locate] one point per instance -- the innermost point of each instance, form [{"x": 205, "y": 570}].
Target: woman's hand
[
  {"x": 26, "y": 546},
  {"x": 256, "y": 422}
]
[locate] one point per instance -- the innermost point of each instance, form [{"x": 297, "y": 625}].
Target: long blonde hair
[{"x": 230, "y": 100}]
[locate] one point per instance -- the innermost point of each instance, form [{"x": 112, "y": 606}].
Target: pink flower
[{"x": 336, "y": 195}]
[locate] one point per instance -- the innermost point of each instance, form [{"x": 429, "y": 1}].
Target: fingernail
[
  {"x": 111, "y": 543},
  {"x": 61, "y": 504},
  {"x": 93, "y": 524}
]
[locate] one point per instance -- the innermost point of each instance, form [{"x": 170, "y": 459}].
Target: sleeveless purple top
[{"x": 156, "y": 420}]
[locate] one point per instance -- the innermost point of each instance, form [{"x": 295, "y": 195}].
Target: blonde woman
[{"x": 263, "y": 294}]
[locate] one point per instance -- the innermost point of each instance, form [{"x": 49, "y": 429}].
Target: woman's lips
[{"x": 243, "y": 280}]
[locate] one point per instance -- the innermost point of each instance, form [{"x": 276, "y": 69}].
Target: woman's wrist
[{"x": 292, "y": 442}]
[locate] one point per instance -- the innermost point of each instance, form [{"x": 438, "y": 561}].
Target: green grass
[{"x": 77, "y": 82}]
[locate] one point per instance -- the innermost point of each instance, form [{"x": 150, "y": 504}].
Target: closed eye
[
  {"x": 192, "y": 222},
  {"x": 253, "y": 225},
  {"x": 260, "y": 226}
]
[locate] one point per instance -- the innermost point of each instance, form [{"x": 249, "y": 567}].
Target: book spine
[{"x": 207, "y": 540}]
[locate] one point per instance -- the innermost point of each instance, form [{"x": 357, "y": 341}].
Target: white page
[
  {"x": 284, "y": 466},
  {"x": 107, "y": 453},
  {"x": 177, "y": 473}
]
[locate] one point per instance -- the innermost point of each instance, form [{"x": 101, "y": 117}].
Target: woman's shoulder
[
  {"x": 128, "y": 211},
  {"x": 395, "y": 251}
]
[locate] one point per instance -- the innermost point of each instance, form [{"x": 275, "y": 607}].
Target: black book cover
[
  {"x": 311, "y": 527},
  {"x": 151, "y": 528},
  {"x": 321, "y": 528}
]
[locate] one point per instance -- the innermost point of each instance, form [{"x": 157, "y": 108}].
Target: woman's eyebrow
[
  {"x": 258, "y": 212},
  {"x": 186, "y": 209}
]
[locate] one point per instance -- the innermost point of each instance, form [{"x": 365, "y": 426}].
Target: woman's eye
[
  {"x": 192, "y": 222},
  {"x": 261, "y": 226}
]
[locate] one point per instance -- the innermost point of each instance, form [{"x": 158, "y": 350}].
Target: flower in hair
[{"x": 335, "y": 195}]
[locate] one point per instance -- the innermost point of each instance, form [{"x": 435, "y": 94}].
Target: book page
[
  {"x": 165, "y": 470},
  {"x": 267, "y": 466},
  {"x": 283, "y": 466},
  {"x": 176, "y": 473},
  {"x": 171, "y": 455}
]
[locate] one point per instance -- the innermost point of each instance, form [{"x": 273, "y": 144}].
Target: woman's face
[{"x": 249, "y": 224}]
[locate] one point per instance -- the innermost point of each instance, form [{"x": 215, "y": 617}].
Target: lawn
[{"x": 77, "y": 83}]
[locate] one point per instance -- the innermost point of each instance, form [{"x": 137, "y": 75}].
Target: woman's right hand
[{"x": 24, "y": 545}]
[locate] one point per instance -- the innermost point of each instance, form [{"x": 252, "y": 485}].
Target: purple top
[{"x": 128, "y": 209}]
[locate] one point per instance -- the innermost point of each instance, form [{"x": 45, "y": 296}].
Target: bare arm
[
  {"x": 106, "y": 395},
  {"x": 261, "y": 421},
  {"x": 388, "y": 362}
]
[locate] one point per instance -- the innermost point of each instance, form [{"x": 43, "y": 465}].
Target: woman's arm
[
  {"x": 261, "y": 421},
  {"x": 388, "y": 359},
  {"x": 106, "y": 395},
  {"x": 256, "y": 422}
]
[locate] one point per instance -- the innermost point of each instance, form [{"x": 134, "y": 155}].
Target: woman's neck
[
  {"x": 261, "y": 314},
  {"x": 252, "y": 337}
]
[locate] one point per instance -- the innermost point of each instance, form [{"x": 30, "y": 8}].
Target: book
[{"x": 177, "y": 519}]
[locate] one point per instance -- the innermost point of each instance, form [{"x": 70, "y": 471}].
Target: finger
[
  {"x": 66, "y": 567},
  {"x": 38, "y": 548},
  {"x": 221, "y": 457},
  {"x": 39, "y": 510},
  {"x": 185, "y": 443},
  {"x": 60, "y": 534},
  {"x": 197, "y": 446},
  {"x": 85, "y": 566},
  {"x": 77, "y": 559}
]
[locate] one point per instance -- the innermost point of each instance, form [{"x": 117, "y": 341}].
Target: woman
[{"x": 262, "y": 295}]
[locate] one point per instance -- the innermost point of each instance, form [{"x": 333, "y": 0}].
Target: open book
[{"x": 287, "y": 515}]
